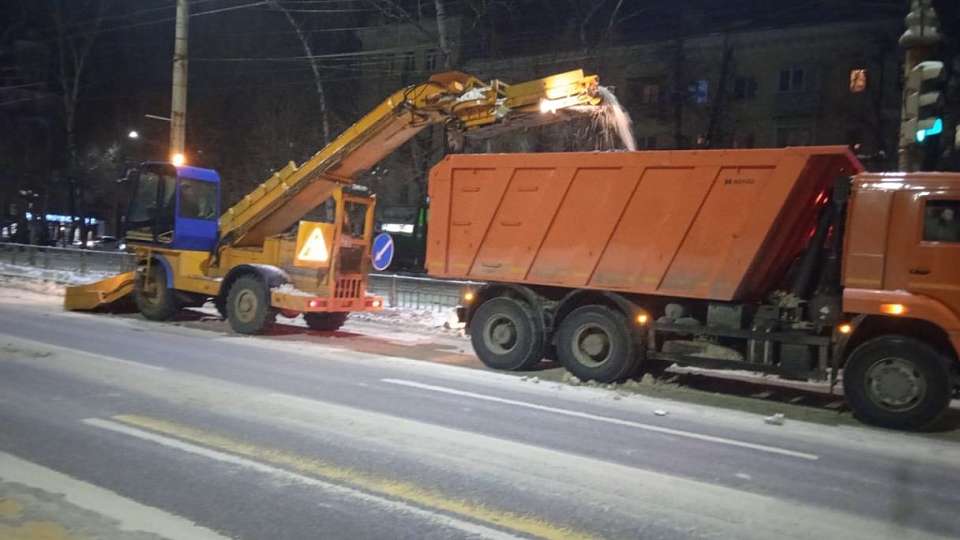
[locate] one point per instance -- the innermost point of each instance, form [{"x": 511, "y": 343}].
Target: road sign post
[{"x": 383, "y": 249}]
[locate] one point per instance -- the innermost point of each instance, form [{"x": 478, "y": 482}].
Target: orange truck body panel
[{"x": 709, "y": 224}]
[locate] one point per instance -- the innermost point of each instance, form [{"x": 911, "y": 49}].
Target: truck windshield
[
  {"x": 198, "y": 200},
  {"x": 143, "y": 205}
]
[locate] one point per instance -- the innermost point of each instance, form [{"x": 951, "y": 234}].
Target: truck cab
[{"x": 174, "y": 206}]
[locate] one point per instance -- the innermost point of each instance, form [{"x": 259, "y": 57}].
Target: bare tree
[
  {"x": 74, "y": 45},
  {"x": 392, "y": 10},
  {"x": 314, "y": 67},
  {"x": 715, "y": 123}
]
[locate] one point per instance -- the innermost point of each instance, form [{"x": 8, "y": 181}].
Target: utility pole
[
  {"x": 919, "y": 42},
  {"x": 178, "y": 106}
]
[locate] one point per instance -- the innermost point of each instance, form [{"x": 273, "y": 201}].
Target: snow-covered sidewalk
[{"x": 52, "y": 282}]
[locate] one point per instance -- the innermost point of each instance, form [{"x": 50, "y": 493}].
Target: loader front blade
[{"x": 99, "y": 293}]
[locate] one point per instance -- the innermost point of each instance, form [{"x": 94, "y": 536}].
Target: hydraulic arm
[{"x": 462, "y": 102}]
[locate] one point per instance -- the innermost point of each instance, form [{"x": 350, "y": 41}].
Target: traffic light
[
  {"x": 923, "y": 101},
  {"x": 923, "y": 26}
]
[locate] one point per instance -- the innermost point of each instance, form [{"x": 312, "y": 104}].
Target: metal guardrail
[
  {"x": 82, "y": 261},
  {"x": 410, "y": 292},
  {"x": 416, "y": 292}
]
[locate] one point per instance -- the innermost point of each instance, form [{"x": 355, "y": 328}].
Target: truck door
[
  {"x": 150, "y": 215},
  {"x": 929, "y": 234},
  {"x": 197, "y": 212}
]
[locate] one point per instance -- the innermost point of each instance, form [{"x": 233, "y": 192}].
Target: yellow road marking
[
  {"x": 35, "y": 530},
  {"x": 382, "y": 486},
  {"x": 10, "y": 508}
]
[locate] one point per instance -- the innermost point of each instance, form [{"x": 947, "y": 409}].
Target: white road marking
[
  {"x": 337, "y": 490},
  {"x": 130, "y": 515},
  {"x": 68, "y": 351},
  {"x": 130, "y": 362},
  {"x": 383, "y": 250},
  {"x": 608, "y": 419}
]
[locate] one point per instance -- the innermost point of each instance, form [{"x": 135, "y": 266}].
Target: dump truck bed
[{"x": 710, "y": 224}]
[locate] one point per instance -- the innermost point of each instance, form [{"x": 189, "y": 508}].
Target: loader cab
[{"x": 172, "y": 206}]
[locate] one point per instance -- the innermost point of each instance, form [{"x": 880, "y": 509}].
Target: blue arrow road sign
[{"x": 382, "y": 252}]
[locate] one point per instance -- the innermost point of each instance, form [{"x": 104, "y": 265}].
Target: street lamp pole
[{"x": 178, "y": 107}]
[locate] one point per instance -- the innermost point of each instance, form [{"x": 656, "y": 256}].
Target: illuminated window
[{"x": 858, "y": 80}]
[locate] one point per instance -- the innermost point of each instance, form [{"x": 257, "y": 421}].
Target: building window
[
  {"x": 650, "y": 94},
  {"x": 744, "y": 141},
  {"x": 431, "y": 61},
  {"x": 858, "y": 80},
  {"x": 794, "y": 136},
  {"x": 699, "y": 91},
  {"x": 941, "y": 221},
  {"x": 409, "y": 62},
  {"x": 744, "y": 88},
  {"x": 791, "y": 80}
]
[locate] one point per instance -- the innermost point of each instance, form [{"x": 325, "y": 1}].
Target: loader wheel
[
  {"x": 154, "y": 299},
  {"x": 248, "y": 306},
  {"x": 220, "y": 303},
  {"x": 325, "y": 322},
  {"x": 897, "y": 382},
  {"x": 507, "y": 335},
  {"x": 595, "y": 343}
]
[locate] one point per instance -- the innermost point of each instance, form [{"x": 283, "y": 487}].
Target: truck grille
[{"x": 348, "y": 288}]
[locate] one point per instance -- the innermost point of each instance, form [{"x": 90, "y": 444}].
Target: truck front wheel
[
  {"x": 595, "y": 343},
  {"x": 154, "y": 299},
  {"x": 897, "y": 382},
  {"x": 248, "y": 306},
  {"x": 506, "y": 334}
]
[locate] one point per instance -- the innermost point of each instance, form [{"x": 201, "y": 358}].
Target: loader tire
[
  {"x": 507, "y": 335},
  {"x": 325, "y": 322},
  {"x": 248, "y": 306},
  {"x": 897, "y": 382},
  {"x": 594, "y": 343},
  {"x": 154, "y": 299}
]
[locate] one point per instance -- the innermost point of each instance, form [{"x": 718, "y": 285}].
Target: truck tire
[
  {"x": 897, "y": 382},
  {"x": 595, "y": 343},
  {"x": 325, "y": 322},
  {"x": 220, "y": 303},
  {"x": 248, "y": 306},
  {"x": 154, "y": 299},
  {"x": 507, "y": 335}
]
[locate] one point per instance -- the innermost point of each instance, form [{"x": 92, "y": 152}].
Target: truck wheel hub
[
  {"x": 500, "y": 334},
  {"x": 591, "y": 345},
  {"x": 895, "y": 384},
  {"x": 246, "y": 306}
]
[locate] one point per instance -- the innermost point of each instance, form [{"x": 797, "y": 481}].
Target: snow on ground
[
  {"x": 52, "y": 282},
  {"x": 445, "y": 319},
  {"x": 62, "y": 277}
]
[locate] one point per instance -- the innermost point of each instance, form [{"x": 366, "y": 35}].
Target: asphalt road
[{"x": 113, "y": 427}]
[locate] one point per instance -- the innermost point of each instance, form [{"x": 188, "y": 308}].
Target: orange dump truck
[{"x": 786, "y": 261}]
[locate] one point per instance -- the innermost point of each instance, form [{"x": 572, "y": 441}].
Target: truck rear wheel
[
  {"x": 325, "y": 322},
  {"x": 897, "y": 382},
  {"x": 248, "y": 306},
  {"x": 595, "y": 343},
  {"x": 507, "y": 335},
  {"x": 154, "y": 299}
]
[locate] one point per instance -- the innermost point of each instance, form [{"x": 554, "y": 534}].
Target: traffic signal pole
[
  {"x": 178, "y": 105},
  {"x": 919, "y": 42}
]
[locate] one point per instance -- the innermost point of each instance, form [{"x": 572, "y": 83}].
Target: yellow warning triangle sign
[{"x": 315, "y": 248}]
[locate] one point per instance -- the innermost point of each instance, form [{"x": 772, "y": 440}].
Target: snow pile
[
  {"x": 64, "y": 277},
  {"x": 445, "y": 319},
  {"x": 288, "y": 288}
]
